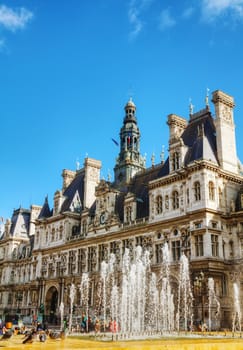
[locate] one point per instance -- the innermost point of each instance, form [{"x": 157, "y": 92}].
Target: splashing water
[
  {"x": 237, "y": 310},
  {"x": 84, "y": 293},
  {"x": 185, "y": 298},
  {"x": 61, "y": 310},
  {"x": 72, "y": 295},
  {"x": 212, "y": 299}
]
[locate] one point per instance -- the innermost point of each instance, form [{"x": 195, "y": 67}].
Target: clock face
[{"x": 102, "y": 218}]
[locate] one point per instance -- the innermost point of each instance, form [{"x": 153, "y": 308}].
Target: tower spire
[{"x": 129, "y": 160}]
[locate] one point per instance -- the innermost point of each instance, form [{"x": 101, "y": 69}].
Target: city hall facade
[{"x": 193, "y": 201}]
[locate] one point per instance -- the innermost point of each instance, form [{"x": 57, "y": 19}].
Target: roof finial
[
  {"x": 190, "y": 106},
  {"x": 109, "y": 176},
  {"x": 153, "y": 159},
  {"x": 77, "y": 164},
  {"x": 162, "y": 154},
  {"x": 206, "y": 98}
]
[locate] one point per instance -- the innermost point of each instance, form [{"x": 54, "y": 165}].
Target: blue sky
[{"x": 67, "y": 68}]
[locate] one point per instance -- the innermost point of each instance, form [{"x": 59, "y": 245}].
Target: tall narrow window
[
  {"x": 159, "y": 204},
  {"x": 220, "y": 197},
  {"x": 199, "y": 245},
  {"x": 128, "y": 213},
  {"x": 176, "y": 250},
  {"x": 187, "y": 196},
  {"x": 197, "y": 191},
  {"x": 175, "y": 200},
  {"x": 84, "y": 227},
  {"x": 211, "y": 191},
  {"x": 215, "y": 245},
  {"x": 91, "y": 259},
  {"x": 175, "y": 161}
]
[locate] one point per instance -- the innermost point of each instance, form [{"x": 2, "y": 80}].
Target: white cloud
[
  {"x": 166, "y": 20},
  {"x": 211, "y": 9},
  {"x": 14, "y": 19},
  {"x": 135, "y": 10}
]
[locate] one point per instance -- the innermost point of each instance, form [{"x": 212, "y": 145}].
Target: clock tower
[{"x": 129, "y": 160}]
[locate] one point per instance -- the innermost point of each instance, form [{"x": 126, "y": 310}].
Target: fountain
[
  {"x": 141, "y": 303},
  {"x": 133, "y": 301}
]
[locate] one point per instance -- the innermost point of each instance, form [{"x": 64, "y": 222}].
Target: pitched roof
[
  {"x": 76, "y": 185},
  {"x": 200, "y": 137},
  {"x": 45, "y": 210}
]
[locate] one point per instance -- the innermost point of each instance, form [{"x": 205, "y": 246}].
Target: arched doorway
[{"x": 51, "y": 305}]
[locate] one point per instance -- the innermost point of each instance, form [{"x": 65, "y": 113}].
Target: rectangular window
[
  {"x": 198, "y": 224},
  {"x": 101, "y": 254},
  {"x": 214, "y": 224},
  {"x": 91, "y": 259},
  {"x": 224, "y": 285},
  {"x": 176, "y": 250},
  {"x": 81, "y": 260},
  {"x": 199, "y": 245},
  {"x": 215, "y": 245}
]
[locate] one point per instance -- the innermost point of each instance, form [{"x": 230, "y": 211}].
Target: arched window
[
  {"x": 197, "y": 191},
  {"x": 211, "y": 191},
  {"x": 175, "y": 161},
  {"x": 175, "y": 200},
  {"x": 159, "y": 204}
]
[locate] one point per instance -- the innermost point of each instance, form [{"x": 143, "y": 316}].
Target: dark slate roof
[
  {"x": 76, "y": 185},
  {"x": 200, "y": 137},
  {"x": 45, "y": 210},
  {"x": 26, "y": 217},
  {"x": 139, "y": 187}
]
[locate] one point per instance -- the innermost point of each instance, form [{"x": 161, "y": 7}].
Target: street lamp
[{"x": 200, "y": 291}]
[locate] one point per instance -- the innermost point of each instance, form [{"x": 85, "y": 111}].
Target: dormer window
[
  {"x": 175, "y": 161},
  {"x": 128, "y": 213}
]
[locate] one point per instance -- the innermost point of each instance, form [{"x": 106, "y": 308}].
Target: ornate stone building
[{"x": 193, "y": 201}]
